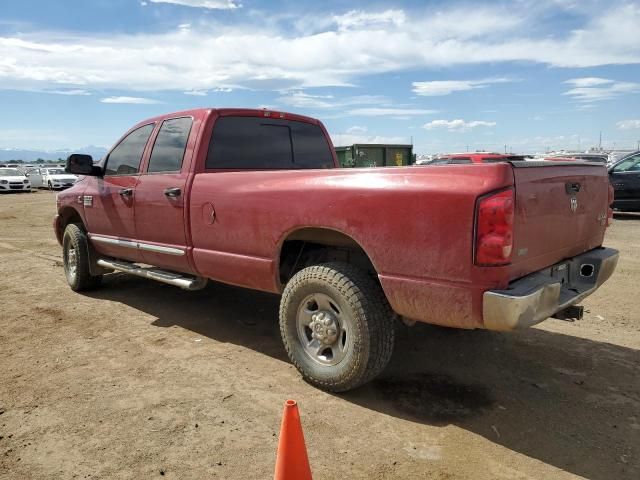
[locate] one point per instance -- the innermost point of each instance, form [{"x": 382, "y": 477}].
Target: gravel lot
[{"x": 143, "y": 380}]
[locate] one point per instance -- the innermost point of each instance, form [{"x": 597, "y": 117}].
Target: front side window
[
  {"x": 168, "y": 150},
  {"x": 125, "y": 158},
  {"x": 265, "y": 143},
  {"x": 628, "y": 165}
]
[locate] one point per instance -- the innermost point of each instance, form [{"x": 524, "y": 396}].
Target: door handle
[
  {"x": 572, "y": 187},
  {"x": 173, "y": 192},
  {"x": 126, "y": 192}
]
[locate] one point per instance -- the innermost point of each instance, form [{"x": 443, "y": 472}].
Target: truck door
[
  {"x": 108, "y": 202},
  {"x": 160, "y": 198},
  {"x": 625, "y": 178}
]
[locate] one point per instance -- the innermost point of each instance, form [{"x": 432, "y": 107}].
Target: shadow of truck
[{"x": 569, "y": 402}]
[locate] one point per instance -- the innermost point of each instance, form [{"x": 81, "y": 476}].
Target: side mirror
[{"x": 80, "y": 164}]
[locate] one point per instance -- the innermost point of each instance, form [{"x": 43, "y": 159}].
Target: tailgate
[{"x": 561, "y": 211}]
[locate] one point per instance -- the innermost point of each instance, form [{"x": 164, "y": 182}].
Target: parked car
[
  {"x": 625, "y": 178},
  {"x": 477, "y": 157},
  {"x": 51, "y": 178},
  {"x": 588, "y": 157},
  {"x": 256, "y": 199},
  {"x": 12, "y": 180}
]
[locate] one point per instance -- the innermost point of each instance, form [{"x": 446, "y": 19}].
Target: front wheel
[
  {"x": 75, "y": 255},
  {"x": 336, "y": 325}
]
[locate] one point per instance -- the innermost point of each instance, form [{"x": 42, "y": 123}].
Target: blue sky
[{"x": 447, "y": 75}]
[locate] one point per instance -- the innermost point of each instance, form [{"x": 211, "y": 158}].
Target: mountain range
[{"x": 8, "y": 154}]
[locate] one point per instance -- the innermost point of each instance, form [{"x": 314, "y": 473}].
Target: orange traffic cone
[{"x": 292, "y": 462}]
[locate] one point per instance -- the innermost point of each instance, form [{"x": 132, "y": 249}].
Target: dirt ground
[{"x": 143, "y": 380}]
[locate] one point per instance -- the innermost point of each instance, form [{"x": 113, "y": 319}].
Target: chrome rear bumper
[{"x": 540, "y": 295}]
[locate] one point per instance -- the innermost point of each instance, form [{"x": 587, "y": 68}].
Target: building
[{"x": 375, "y": 155}]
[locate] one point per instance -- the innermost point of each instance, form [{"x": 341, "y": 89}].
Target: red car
[
  {"x": 477, "y": 157},
  {"x": 256, "y": 199}
]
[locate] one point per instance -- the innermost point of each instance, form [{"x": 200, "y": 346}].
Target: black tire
[
  {"x": 362, "y": 317},
  {"x": 75, "y": 249}
]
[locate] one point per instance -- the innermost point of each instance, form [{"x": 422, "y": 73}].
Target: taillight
[
  {"x": 494, "y": 229},
  {"x": 609, "y": 209}
]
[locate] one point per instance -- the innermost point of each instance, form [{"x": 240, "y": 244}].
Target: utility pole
[
  {"x": 505, "y": 148},
  {"x": 467, "y": 147}
]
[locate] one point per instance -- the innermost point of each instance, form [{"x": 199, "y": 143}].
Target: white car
[
  {"x": 11, "y": 180},
  {"x": 51, "y": 178}
]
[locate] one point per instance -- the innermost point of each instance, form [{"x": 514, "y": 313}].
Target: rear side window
[
  {"x": 125, "y": 158},
  {"x": 168, "y": 150},
  {"x": 265, "y": 143}
]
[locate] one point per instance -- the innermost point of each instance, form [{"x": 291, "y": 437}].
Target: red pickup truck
[{"x": 256, "y": 199}]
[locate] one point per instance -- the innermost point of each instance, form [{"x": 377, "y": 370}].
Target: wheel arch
[
  {"x": 305, "y": 244},
  {"x": 67, "y": 215}
]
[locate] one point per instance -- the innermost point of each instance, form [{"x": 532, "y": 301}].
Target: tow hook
[{"x": 570, "y": 314}]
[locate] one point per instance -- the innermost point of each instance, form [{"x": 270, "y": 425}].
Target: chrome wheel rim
[
  {"x": 323, "y": 329},
  {"x": 71, "y": 263}
]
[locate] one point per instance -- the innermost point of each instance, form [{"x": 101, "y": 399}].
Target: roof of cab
[{"x": 246, "y": 112}]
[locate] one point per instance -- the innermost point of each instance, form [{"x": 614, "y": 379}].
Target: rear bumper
[{"x": 540, "y": 295}]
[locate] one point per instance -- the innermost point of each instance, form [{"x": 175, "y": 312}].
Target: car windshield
[
  {"x": 10, "y": 172},
  {"x": 55, "y": 171}
]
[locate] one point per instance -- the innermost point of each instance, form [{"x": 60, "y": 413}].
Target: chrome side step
[{"x": 176, "y": 279}]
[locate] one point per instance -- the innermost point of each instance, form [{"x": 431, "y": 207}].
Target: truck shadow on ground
[
  {"x": 569, "y": 402},
  {"x": 626, "y": 216}
]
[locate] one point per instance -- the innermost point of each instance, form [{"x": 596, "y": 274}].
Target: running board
[{"x": 176, "y": 279}]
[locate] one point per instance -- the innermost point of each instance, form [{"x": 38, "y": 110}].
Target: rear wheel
[
  {"x": 336, "y": 325},
  {"x": 75, "y": 253}
]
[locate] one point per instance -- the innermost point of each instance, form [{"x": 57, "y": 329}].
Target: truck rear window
[{"x": 266, "y": 143}]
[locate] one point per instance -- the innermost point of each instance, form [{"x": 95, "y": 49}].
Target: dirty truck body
[{"x": 256, "y": 199}]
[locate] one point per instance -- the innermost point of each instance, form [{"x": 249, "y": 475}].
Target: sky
[{"x": 521, "y": 75}]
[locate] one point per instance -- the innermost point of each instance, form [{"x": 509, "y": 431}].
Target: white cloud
[
  {"x": 457, "y": 125},
  {"x": 210, "y": 4},
  {"x": 356, "y": 129},
  {"x": 591, "y": 89},
  {"x": 207, "y": 56},
  {"x": 358, "y": 19},
  {"x": 383, "y": 111},
  {"x": 300, "y": 99},
  {"x": 445, "y": 87},
  {"x": 588, "y": 81},
  {"x": 628, "y": 124},
  {"x": 73, "y": 91},
  {"x": 131, "y": 100},
  {"x": 196, "y": 93},
  {"x": 346, "y": 139},
  {"x": 223, "y": 89}
]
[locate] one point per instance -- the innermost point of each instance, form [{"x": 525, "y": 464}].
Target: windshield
[
  {"x": 55, "y": 171},
  {"x": 10, "y": 172}
]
